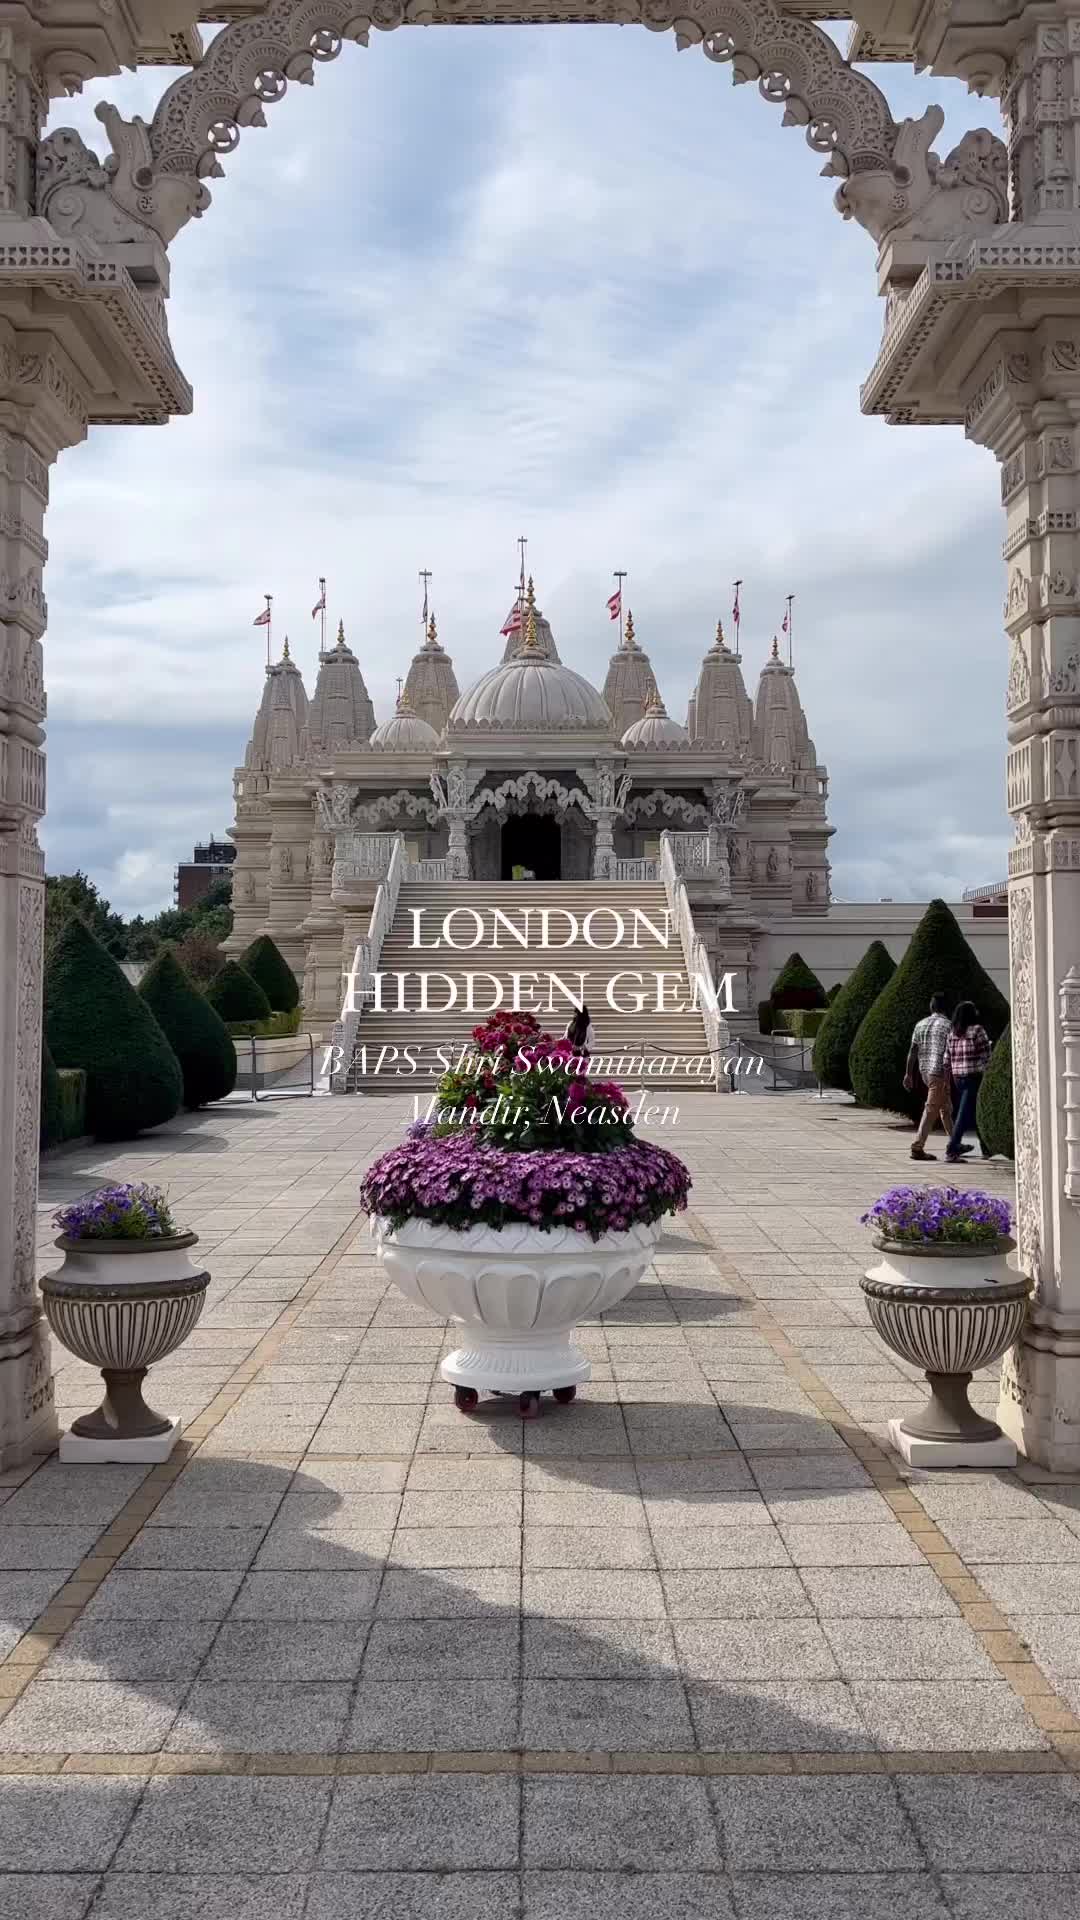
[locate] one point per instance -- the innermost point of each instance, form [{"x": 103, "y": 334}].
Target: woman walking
[
  {"x": 967, "y": 1055},
  {"x": 579, "y": 1031}
]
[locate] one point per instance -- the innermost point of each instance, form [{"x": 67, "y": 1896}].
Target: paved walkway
[{"x": 692, "y": 1647}]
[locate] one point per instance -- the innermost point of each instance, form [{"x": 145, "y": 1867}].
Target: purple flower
[
  {"x": 127, "y": 1212},
  {"x": 945, "y": 1216}
]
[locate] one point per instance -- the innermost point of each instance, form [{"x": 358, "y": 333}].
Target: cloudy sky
[{"x": 561, "y": 282}]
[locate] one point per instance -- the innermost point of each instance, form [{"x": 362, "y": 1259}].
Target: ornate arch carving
[
  {"x": 154, "y": 180},
  {"x": 529, "y": 793},
  {"x": 155, "y": 175}
]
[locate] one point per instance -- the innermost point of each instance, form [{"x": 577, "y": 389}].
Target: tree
[
  {"x": 994, "y": 1112},
  {"x": 94, "y": 1019},
  {"x": 847, "y": 1013},
  {"x": 51, "y": 1120},
  {"x": 797, "y": 985},
  {"x": 236, "y": 997},
  {"x": 835, "y": 991},
  {"x": 67, "y": 893},
  {"x": 270, "y": 970},
  {"x": 200, "y": 956},
  {"x": 197, "y": 1035},
  {"x": 938, "y": 960}
]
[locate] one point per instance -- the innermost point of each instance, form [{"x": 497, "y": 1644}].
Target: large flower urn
[
  {"x": 519, "y": 1292},
  {"x": 949, "y": 1309},
  {"x": 122, "y": 1305}
]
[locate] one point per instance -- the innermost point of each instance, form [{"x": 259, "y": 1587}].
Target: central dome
[{"x": 532, "y": 694}]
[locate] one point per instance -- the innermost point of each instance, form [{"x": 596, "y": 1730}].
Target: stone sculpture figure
[{"x": 924, "y": 198}]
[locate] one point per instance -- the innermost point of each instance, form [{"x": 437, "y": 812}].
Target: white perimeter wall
[{"x": 835, "y": 943}]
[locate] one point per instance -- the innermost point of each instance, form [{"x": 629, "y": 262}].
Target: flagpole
[
  {"x": 322, "y": 615},
  {"x": 790, "y": 632},
  {"x": 736, "y": 617},
  {"x": 620, "y": 577},
  {"x": 268, "y": 597},
  {"x": 425, "y": 576}
]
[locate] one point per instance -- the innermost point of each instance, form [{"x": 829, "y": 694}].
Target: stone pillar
[
  {"x": 250, "y": 874},
  {"x": 291, "y": 826},
  {"x": 323, "y": 930},
  {"x": 458, "y": 845},
  {"x": 604, "y": 844},
  {"x": 34, "y": 424},
  {"x": 1025, "y": 405}
]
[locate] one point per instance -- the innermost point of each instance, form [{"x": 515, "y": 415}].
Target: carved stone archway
[{"x": 979, "y": 265}]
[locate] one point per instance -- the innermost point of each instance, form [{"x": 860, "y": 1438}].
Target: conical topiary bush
[
  {"x": 94, "y": 1019},
  {"x": 797, "y": 985},
  {"x": 835, "y": 992},
  {"x": 994, "y": 1112},
  {"x": 847, "y": 1013},
  {"x": 938, "y": 960},
  {"x": 271, "y": 971},
  {"x": 197, "y": 1034},
  {"x": 51, "y": 1120},
  {"x": 235, "y": 997}
]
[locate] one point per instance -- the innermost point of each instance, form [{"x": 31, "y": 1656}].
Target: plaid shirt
[
  {"x": 930, "y": 1038},
  {"x": 968, "y": 1052}
]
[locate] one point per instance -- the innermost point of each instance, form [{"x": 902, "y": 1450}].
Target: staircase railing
[
  {"x": 366, "y": 964},
  {"x": 695, "y": 956}
]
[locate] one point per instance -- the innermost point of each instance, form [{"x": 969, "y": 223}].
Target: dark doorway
[{"x": 532, "y": 841}]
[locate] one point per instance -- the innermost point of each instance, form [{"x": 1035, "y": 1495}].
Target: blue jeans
[{"x": 965, "y": 1094}]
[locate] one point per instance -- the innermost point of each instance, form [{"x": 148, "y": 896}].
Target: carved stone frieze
[
  {"x": 1025, "y": 1079},
  {"x": 1019, "y": 688}
]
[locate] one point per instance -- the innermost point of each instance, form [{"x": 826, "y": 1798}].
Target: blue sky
[{"x": 565, "y": 282}]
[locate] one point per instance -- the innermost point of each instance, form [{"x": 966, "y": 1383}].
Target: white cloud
[{"x": 550, "y": 281}]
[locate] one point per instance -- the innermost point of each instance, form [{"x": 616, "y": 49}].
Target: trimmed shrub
[
  {"x": 803, "y": 1022},
  {"x": 50, "y": 1130},
  {"x": 765, "y": 1016},
  {"x": 234, "y": 995},
  {"x": 271, "y": 971},
  {"x": 847, "y": 1013},
  {"x": 279, "y": 1026},
  {"x": 938, "y": 960},
  {"x": 94, "y": 1019},
  {"x": 994, "y": 1112},
  {"x": 72, "y": 1102},
  {"x": 196, "y": 1034},
  {"x": 835, "y": 991},
  {"x": 797, "y": 985}
]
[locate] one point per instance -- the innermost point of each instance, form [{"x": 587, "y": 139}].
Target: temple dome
[
  {"x": 531, "y": 693},
  {"x": 340, "y": 713},
  {"x": 655, "y": 728},
  {"x": 406, "y": 732},
  {"x": 430, "y": 687}
]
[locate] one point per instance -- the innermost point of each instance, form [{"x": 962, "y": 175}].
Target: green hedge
[
  {"x": 766, "y": 1018},
  {"x": 72, "y": 1102},
  {"x": 847, "y": 1013},
  {"x": 938, "y": 960},
  {"x": 94, "y": 1019},
  {"x": 803, "y": 1022},
  {"x": 197, "y": 1034},
  {"x": 49, "y": 1127},
  {"x": 277, "y": 1027},
  {"x": 270, "y": 970},
  {"x": 234, "y": 996},
  {"x": 994, "y": 1112},
  {"x": 797, "y": 985},
  {"x": 835, "y": 991}
]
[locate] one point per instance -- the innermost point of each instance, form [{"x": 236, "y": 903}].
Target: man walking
[{"x": 927, "y": 1053}]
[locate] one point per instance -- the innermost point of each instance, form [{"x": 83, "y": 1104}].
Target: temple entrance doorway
[{"x": 532, "y": 841}]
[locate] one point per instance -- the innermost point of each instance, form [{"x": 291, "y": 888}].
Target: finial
[
  {"x": 656, "y": 705},
  {"x": 341, "y": 633},
  {"x": 720, "y": 642},
  {"x": 628, "y": 633},
  {"x": 404, "y": 704},
  {"x": 285, "y": 649},
  {"x": 775, "y": 648},
  {"x": 530, "y": 593},
  {"x": 532, "y": 644},
  {"x": 432, "y": 635}
]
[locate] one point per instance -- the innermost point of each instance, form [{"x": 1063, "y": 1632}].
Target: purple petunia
[
  {"x": 459, "y": 1181},
  {"x": 127, "y": 1212},
  {"x": 945, "y": 1216}
]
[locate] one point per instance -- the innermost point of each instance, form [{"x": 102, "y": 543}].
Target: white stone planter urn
[
  {"x": 519, "y": 1292},
  {"x": 121, "y": 1305},
  {"x": 949, "y": 1310}
]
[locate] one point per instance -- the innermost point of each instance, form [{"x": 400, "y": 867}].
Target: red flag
[
  {"x": 320, "y": 604},
  {"x": 262, "y": 619},
  {"x": 614, "y": 605},
  {"x": 512, "y": 623},
  {"x": 735, "y": 615},
  {"x": 784, "y": 624}
]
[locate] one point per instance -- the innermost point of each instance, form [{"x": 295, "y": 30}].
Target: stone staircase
[{"x": 672, "y": 1043}]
